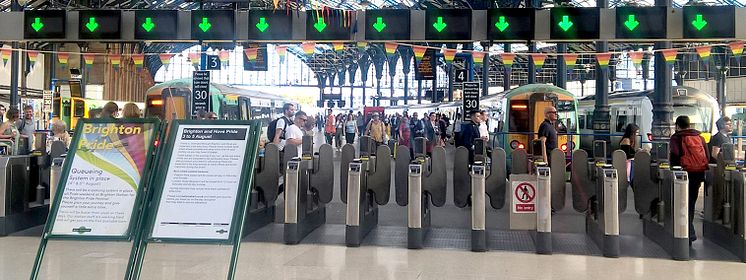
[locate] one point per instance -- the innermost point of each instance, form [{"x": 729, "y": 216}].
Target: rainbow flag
[
  {"x": 570, "y": 60},
  {"x": 636, "y": 58},
  {"x": 670, "y": 55},
  {"x": 704, "y": 53},
  {"x": 508, "y": 59},
  {"x": 339, "y": 47},
  {"x": 390, "y": 48},
  {"x": 737, "y": 49},
  {"x": 62, "y": 58},
  {"x": 6, "y": 55},
  {"x": 449, "y": 55},
  {"x": 88, "y": 58},
  {"x": 116, "y": 60},
  {"x": 308, "y": 47},
  {"x": 603, "y": 59},
  {"x": 195, "y": 58},
  {"x": 538, "y": 60},
  {"x": 281, "y": 52},
  {"x": 419, "y": 53},
  {"x": 362, "y": 45},
  {"x": 165, "y": 58},
  {"x": 32, "y": 57},
  {"x": 478, "y": 57},
  {"x": 139, "y": 60},
  {"x": 251, "y": 54}
]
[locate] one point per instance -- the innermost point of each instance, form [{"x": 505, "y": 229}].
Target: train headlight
[
  {"x": 563, "y": 147},
  {"x": 521, "y": 146},
  {"x": 514, "y": 144}
]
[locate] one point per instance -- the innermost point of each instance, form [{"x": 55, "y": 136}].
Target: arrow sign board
[
  {"x": 511, "y": 24},
  {"x": 641, "y": 22},
  {"x": 709, "y": 22},
  {"x": 574, "y": 23},
  {"x": 270, "y": 25},
  {"x": 448, "y": 24},
  {"x": 44, "y": 24},
  {"x": 329, "y": 26},
  {"x": 99, "y": 24},
  {"x": 156, "y": 25},
  {"x": 387, "y": 24},
  {"x": 213, "y": 25}
]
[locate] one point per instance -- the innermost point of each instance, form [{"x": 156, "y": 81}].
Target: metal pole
[
  {"x": 561, "y": 80},
  {"x": 450, "y": 81},
  {"x": 662, "y": 99},
  {"x": 531, "y": 66},
  {"x": 486, "y": 70},
  {"x": 506, "y": 71},
  {"x": 601, "y": 121},
  {"x": 419, "y": 91}
]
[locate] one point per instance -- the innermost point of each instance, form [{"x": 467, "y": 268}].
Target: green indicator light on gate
[
  {"x": 320, "y": 25},
  {"x": 699, "y": 23},
  {"x": 379, "y": 25},
  {"x": 37, "y": 25},
  {"x": 565, "y": 24},
  {"x": 262, "y": 25},
  {"x": 92, "y": 25},
  {"x": 631, "y": 23},
  {"x": 148, "y": 25},
  {"x": 205, "y": 25},
  {"x": 439, "y": 24},
  {"x": 501, "y": 24}
]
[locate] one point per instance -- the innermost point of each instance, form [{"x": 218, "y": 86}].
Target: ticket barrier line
[
  {"x": 19, "y": 205},
  {"x": 725, "y": 200}
]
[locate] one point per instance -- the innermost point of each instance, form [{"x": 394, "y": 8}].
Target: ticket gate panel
[
  {"x": 347, "y": 156},
  {"x": 435, "y": 182},
  {"x": 558, "y": 169},
  {"x": 268, "y": 175},
  {"x": 380, "y": 180},
  {"x": 580, "y": 180},
  {"x": 322, "y": 179},
  {"x": 401, "y": 175},
  {"x": 289, "y": 152},
  {"x": 497, "y": 181},
  {"x": 461, "y": 177},
  {"x": 645, "y": 188},
  {"x": 619, "y": 161},
  {"x": 519, "y": 162}
]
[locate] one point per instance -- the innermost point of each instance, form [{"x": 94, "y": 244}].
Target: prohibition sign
[{"x": 525, "y": 192}]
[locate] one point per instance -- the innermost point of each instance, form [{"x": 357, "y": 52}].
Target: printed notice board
[
  {"x": 100, "y": 186},
  {"x": 524, "y": 196}
]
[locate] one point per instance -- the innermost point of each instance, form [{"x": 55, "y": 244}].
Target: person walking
[
  {"x": 548, "y": 133},
  {"x": 350, "y": 128},
  {"x": 330, "y": 128},
  {"x": 339, "y": 130},
  {"x": 376, "y": 129},
  {"x": 404, "y": 131},
  {"x": 725, "y": 127}
]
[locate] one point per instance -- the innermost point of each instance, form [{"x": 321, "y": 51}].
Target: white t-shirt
[
  {"x": 294, "y": 132},
  {"x": 483, "y": 130},
  {"x": 280, "y": 125}
]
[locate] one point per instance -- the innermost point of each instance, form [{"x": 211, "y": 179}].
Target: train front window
[
  {"x": 566, "y": 116},
  {"x": 79, "y": 109},
  {"x": 519, "y": 116},
  {"x": 700, "y": 116}
]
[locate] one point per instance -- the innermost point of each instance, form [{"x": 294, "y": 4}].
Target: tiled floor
[{"x": 87, "y": 260}]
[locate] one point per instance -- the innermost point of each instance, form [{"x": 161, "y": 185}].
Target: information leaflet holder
[
  {"x": 203, "y": 195},
  {"x": 725, "y": 200},
  {"x": 119, "y": 188}
]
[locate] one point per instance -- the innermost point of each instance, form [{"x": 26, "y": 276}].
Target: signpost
[
  {"x": 213, "y": 62},
  {"x": 200, "y": 91},
  {"x": 99, "y": 196},
  {"x": 470, "y": 98},
  {"x": 460, "y": 76},
  {"x": 48, "y": 97}
]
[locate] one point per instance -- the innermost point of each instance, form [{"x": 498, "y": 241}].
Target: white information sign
[
  {"x": 202, "y": 182},
  {"x": 524, "y": 196}
]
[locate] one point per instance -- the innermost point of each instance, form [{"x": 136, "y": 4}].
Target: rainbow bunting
[
  {"x": 570, "y": 60},
  {"x": 281, "y": 52},
  {"x": 478, "y": 57},
  {"x": 338, "y": 47},
  {"x": 362, "y": 45},
  {"x": 251, "y": 54},
  {"x": 669, "y": 55},
  {"x": 636, "y": 58},
  {"x": 165, "y": 58},
  {"x": 737, "y": 49},
  {"x": 116, "y": 60},
  {"x": 419, "y": 53},
  {"x": 308, "y": 47},
  {"x": 704, "y": 53},
  {"x": 508, "y": 59},
  {"x": 32, "y": 57},
  {"x": 88, "y": 59},
  {"x": 449, "y": 55},
  {"x": 195, "y": 58},
  {"x": 603, "y": 59},
  {"x": 139, "y": 60},
  {"x": 62, "y": 58},
  {"x": 6, "y": 55},
  {"x": 538, "y": 60},
  {"x": 390, "y": 48}
]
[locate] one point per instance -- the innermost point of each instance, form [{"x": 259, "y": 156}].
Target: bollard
[
  {"x": 544, "y": 210},
  {"x": 680, "y": 215},
  {"x": 414, "y": 208},
  {"x": 353, "y": 204},
  {"x": 478, "y": 231},
  {"x": 611, "y": 213},
  {"x": 292, "y": 183}
]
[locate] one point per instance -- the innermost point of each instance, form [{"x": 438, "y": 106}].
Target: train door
[
  {"x": 79, "y": 110},
  {"x": 176, "y": 103}
]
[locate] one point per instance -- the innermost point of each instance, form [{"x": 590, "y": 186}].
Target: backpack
[
  {"x": 273, "y": 127},
  {"x": 694, "y": 158}
]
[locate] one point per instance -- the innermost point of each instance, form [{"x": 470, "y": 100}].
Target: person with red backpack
[{"x": 689, "y": 150}]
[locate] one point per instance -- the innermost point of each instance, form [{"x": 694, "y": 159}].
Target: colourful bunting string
[
  {"x": 139, "y": 60},
  {"x": 704, "y": 53},
  {"x": 570, "y": 60},
  {"x": 478, "y": 58},
  {"x": 116, "y": 60},
  {"x": 419, "y": 53},
  {"x": 538, "y": 60},
  {"x": 32, "y": 57},
  {"x": 165, "y": 58},
  {"x": 88, "y": 59},
  {"x": 636, "y": 58},
  {"x": 62, "y": 58},
  {"x": 362, "y": 45},
  {"x": 603, "y": 59},
  {"x": 251, "y": 54},
  {"x": 507, "y": 59},
  {"x": 308, "y": 48},
  {"x": 195, "y": 59},
  {"x": 669, "y": 55},
  {"x": 339, "y": 47},
  {"x": 449, "y": 55},
  {"x": 737, "y": 49},
  {"x": 281, "y": 52},
  {"x": 390, "y": 48},
  {"x": 6, "y": 55}
]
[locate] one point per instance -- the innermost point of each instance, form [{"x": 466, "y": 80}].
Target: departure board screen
[
  {"x": 213, "y": 25},
  {"x": 574, "y": 23},
  {"x": 270, "y": 25},
  {"x": 511, "y": 24},
  {"x": 99, "y": 24},
  {"x": 44, "y": 24}
]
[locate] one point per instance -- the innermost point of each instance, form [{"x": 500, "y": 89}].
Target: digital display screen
[
  {"x": 511, "y": 24},
  {"x": 156, "y": 25},
  {"x": 707, "y": 22},
  {"x": 387, "y": 24},
  {"x": 574, "y": 23},
  {"x": 448, "y": 24},
  {"x": 44, "y": 24},
  {"x": 270, "y": 25},
  {"x": 99, "y": 24},
  {"x": 329, "y": 26},
  {"x": 425, "y": 70},
  {"x": 641, "y": 22},
  {"x": 213, "y": 25}
]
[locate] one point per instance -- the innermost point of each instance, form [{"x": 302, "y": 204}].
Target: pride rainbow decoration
[
  {"x": 507, "y": 59},
  {"x": 281, "y": 52},
  {"x": 570, "y": 60},
  {"x": 362, "y": 45},
  {"x": 116, "y": 60},
  {"x": 449, "y": 55},
  {"x": 669, "y": 55},
  {"x": 165, "y": 58},
  {"x": 538, "y": 60},
  {"x": 478, "y": 57},
  {"x": 62, "y": 58},
  {"x": 195, "y": 59},
  {"x": 139, "y": 60},
  {"x": 88, "y": 58},
  {"x": 737, "y": 49},
  {"x": 251, "y": 54},
  {"x": 308, "y": 48},
  {"x": 6, "y": 55},
  {"x": 32, "y": 57},
  {"x": 636, "y": 58},
  {"x": 224, "y": 57},
  {"x": 704, "y": 53},
  {"x": 339, "y": 47},
  {"x": 419, "y": 53},
  {"x": 603, "y": 59},
  {"x": 390, "y": 48}
]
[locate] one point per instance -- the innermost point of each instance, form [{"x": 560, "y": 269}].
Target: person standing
[
  {"x": 628, "y": 144},
  {"x": 376, "y": 129},
  {"x": 2, "y": 113},
  {"x": 689, "y": 150},
  {"x": 469, "y": 133},
  {"x": 431, "y": 133},
  {"x": 294, "y": 132},
  {"x": 725, "y": 127},
  {"x": 548, "y": 133},
  {"x": 404, "y": 131},
  {"x": 26, "y": 127},
  {"x": 110, "y": 111},
  {"x": 361, "y": 122},
  {"x": 484, "y": 131},
  {"x": 339, "y": 130},
  {"x": 330, "y": 127},
  {"x": 131, "y": 111},
  {"x": 281, "y": 125},
  {"x": 443, "y": 128},
  {"x": 350, "y": 128},
  {"x": 9, "y": 130}
]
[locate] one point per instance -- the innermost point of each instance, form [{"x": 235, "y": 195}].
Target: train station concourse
[{"x": 372, "y": 139}]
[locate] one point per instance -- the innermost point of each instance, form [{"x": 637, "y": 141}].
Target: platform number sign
[
  {"x": 213, "y": 62},
  {"x": 471, "y": 97},
  {"x": 460, "y": 76},
  {"x": 524, "y": 197},
  {"x": 200, "y": 91}
]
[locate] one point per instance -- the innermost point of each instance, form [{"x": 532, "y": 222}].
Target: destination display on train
[
  {"x": 99, "y": 24},
  {"x": 570, "y": 23},
  {"x": 387, "y": 24},
  {"x": 327, "y": 26},
  {"x": 511, "y": 24},
  {"x": 709, "y": 22},
  {"x": 156, "y": 25},
  {"x": 448, "y": 24},
  {"x": 270, "y": 25},
  {"x": 44, "y": 24},
  {"x": 213, "y": 25}
]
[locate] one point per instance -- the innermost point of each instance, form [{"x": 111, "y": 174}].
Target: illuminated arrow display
[
  {"x": 448, "y": 24},
  {"x": 631, "y": 23},
  {"x": 565, "y": 24},
  {"x": 148, "y": 25},
  {"x": 92, "y": 25},
  {"x": 440, "y": 25},
  {"x": 388, "y": 24},
  {"x": 572, "y": 23},
  {"x": 379, "y": 25},
  {"x": 213, "y": 25},
  {"x": 699, "y": 23},
  {"x": 262, "y": 25},
  {"x": 37, "y": 25},
  {"x": 205, "y": 24},
  {"x": 320, "y": 25},
  {"x": 501, "y": 24}
]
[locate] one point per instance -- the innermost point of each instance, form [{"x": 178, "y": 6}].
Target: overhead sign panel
[
  {"x": 213, "y": 25},
  {"x": 270, "y": 25},
  {"x": 99, "y": 24},
  {"x": 327, "y": 26},
  {"x": 574, "y": 23},
  {"x": 156, "y": 25},
  {"x": 511, "y": 24},
  {"x": 641, "y": 22},
  {"x": 709, "y": 22},
  {"x": 387, "y": 24},
  {"x": 448, "y": 24},
  {"x": 44, "y": 24}
]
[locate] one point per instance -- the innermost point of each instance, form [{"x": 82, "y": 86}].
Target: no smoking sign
[{"x": 524, "y": 197}]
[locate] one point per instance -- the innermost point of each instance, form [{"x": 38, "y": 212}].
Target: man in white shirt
[
  {"x": 280, "y": 135},
  {"x": 484, "y": 132},
  {"x": 294, "y": 133}
]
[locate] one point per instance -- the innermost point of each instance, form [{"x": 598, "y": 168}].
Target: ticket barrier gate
[
  {"x": 265, "y": 189},
  {"x": 471, "y": 182},
  {"x": 365, "y": 183},
  {"x": 19, "y": 208},
  {"x": 725, "y": 200},
  {"x": 309, "y": 180},
  {"x": 420, "y": 182},
  {"x": 599, "y": 191},
  {"x": 662, "y": 198}
]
